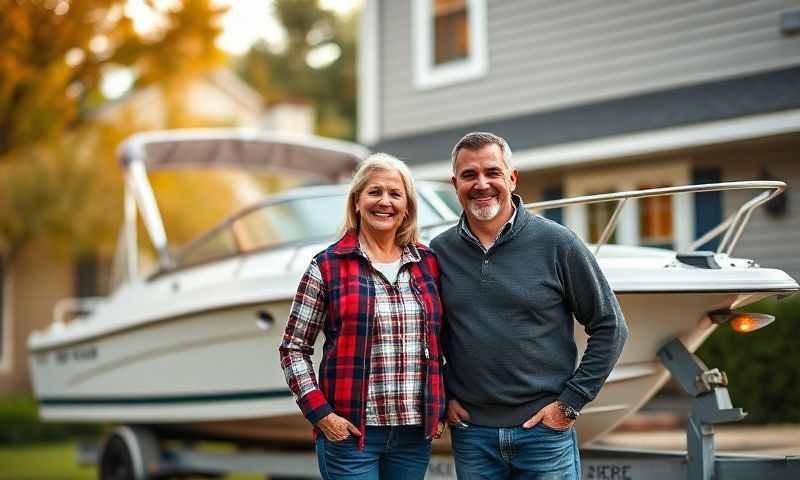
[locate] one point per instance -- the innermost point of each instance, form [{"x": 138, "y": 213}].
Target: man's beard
[{"x": 486, "y": 213}]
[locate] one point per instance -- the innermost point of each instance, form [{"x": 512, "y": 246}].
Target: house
[
  {"x": 218, "y": 98},
  {"x": 600, "y": 97},
  {"x": 31, "y": 286}
]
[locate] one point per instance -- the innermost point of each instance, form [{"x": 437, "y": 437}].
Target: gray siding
[
  {"x": 546, "y": 55},
  {"x": 770, "y": 241}
]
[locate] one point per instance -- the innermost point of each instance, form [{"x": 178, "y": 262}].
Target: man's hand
[
  {"x": 551, "y": 416},
  {"x": 456, "y": 413},
  {"x": 336, "y": 428}
]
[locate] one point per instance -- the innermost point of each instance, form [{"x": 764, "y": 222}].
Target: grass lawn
[
  {"x": 49, "y": 461},
  {"x": 54, "y": 461}
]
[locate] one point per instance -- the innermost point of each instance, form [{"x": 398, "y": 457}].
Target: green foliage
[
  {"x": 66, "y": 192},
  {"x": 764, "y": 366},
  {"x": 284, "y": 75},
  {"x": 20, "y": 424}
]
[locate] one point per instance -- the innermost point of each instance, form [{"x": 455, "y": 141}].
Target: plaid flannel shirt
[{"x": 337, "y": 294}]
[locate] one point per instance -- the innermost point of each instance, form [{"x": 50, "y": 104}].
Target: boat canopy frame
[{"x": 245, "y": 149}]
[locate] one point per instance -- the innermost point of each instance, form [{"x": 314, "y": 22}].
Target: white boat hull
[
  {"x": 217, "y": 373},
  {"x": 172, "y": 361},
  {"x": 638, "y": 374}
]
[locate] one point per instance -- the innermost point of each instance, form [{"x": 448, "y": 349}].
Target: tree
[
  {"x": 55, "y": 53},
  {"x": 56, "y": 164},
  {"x": 291, "y": 74}
]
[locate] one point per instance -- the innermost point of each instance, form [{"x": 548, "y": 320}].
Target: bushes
[
  {"x": 763, "y": 366},
  {"x": 19, "y": 424}
]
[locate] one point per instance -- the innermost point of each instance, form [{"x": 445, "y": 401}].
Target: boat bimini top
[{"x": 322, "y": 159}]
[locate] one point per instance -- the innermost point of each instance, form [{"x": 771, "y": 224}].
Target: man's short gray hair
[{"x": 478, "y": 140}]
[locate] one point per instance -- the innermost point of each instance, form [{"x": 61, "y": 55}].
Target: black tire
[{"x": 115, "y": 461}]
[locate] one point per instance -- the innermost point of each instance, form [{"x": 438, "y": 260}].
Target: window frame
[
  {"x": 428, "y": 75},
  {"x": 624, "y": 178}
]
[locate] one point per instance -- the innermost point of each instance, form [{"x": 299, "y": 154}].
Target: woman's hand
[
  {"x": 336, "y": 428},
  {"x": 455, "y": 413}
]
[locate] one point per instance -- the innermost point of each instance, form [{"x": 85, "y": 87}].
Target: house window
[
  {"x": 655, "y": 219},
  {"x": 665, "y": 221},
  {"x": 707, "y": 205},
  {"x": 449, "y": 41},
  {"x": 553, "y": 192},
  {"x": 85, "y": 273},
  {"x": 450, "y": 30}
]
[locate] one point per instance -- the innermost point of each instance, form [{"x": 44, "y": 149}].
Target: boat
[{"x": 190, "y": 348}]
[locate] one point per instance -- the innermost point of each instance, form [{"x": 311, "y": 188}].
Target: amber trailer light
[{"x": 741, "y": 322}]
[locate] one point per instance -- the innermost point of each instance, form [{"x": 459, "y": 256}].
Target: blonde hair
[{"x": 407, "y": 232}]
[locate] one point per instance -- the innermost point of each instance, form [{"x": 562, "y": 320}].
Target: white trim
[
  {"x": 7, "y": 355},
  {"x": 426, "y": 74},
  {"x": 611, "y": 148},
  {"x": 625, "y": 178},
  {"x": 368, "y": 82}
]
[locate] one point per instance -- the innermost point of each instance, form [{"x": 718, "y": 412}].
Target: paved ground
[
  {"x": 783, "y": 440},
  {"x": 661, "y": 425}
]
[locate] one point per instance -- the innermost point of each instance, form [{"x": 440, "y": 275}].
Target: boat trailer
[
  {"x": 133, "y": 452},
  {"x": 711, "y": 404}
]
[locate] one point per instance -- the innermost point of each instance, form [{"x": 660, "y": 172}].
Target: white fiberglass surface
[{"x": 631, "y": 251}]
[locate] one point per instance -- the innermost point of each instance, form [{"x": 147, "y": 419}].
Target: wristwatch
[{"x": 568, "y": 411}]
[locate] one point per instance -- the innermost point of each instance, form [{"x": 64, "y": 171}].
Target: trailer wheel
[
  {"x": 130, "y": 453},
  {"x": 116, "y": 462}
]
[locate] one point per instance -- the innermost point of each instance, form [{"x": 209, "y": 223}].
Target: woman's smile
[{"x": 383, "y": 202}]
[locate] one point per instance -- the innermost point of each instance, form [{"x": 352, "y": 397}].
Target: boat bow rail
[{"x": 732, "y": 227}]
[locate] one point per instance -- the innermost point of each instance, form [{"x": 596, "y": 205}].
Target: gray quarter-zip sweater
[{"x": 508, "y": 336}]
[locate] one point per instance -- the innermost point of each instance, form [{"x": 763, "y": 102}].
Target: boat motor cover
[{"x": 252, "y": 150}]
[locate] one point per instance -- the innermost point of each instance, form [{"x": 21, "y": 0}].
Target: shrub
[{"x": 20, "y": 424}]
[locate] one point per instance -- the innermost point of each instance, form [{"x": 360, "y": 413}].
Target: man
[{"x": 511, "y": 284}]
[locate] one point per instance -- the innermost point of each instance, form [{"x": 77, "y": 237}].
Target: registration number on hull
[{"x": 86, "y": 353}]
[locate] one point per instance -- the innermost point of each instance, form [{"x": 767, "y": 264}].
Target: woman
[{"x": 374, "y": 293}]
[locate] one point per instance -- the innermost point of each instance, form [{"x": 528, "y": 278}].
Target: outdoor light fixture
[{"x": 741, "y": 322}]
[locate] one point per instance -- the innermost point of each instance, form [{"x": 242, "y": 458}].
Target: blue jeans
[
  {"x": 539, "y": 453},
  {"x": 390, "y": 453}
]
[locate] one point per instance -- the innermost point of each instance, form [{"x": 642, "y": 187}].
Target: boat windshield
[{"x": 291, "y": 221}]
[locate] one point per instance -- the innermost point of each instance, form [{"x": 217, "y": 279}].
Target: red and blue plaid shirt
[{"x": 338, "y": 294}]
